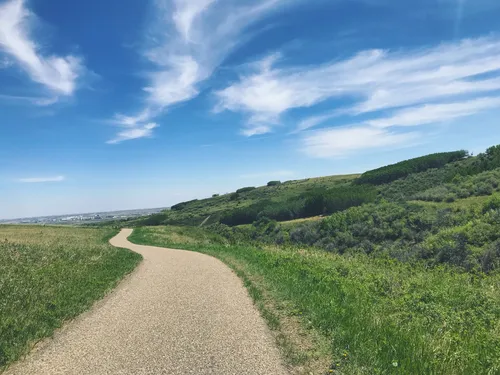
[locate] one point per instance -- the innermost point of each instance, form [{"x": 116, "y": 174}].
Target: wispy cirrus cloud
[
  {"x": 434, "y": 113},
  {"x": 35, "y": 180},
  {"x": 375, "y": 80},
  {"x": 134, "y": 132},
  {"x": 188, "y": 40},
  {"x": 335, "y": 142},
  {"x": 313, "y": 121},
  {"x": 429, "y": 85},
  {"x": 339, "y": 142},
  {"x": 57, "y": 74}
]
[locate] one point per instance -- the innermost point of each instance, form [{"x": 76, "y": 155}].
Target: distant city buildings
[{"x": 85, "y": 218}]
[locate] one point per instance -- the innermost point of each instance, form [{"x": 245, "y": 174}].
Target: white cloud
[
  {"x": 136, "y": 132},
  {"x": 188, "y": 41},
  {"x": 335, "y": 142},
  {"x": 374, "y": 80},
  {"x": 256, "y": 130},
  {"x": 338, "y": 142},
  {"x": 313, "y": 121},
  {"x": 57, "y": 74},
  {"x": 131, "y": 121},
  {"x": 434, "y": 113},
  {"x": 185, "y": 14},
  {"x": 33, "y": 180}
]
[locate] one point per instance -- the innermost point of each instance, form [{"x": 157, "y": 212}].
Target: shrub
[
  {"x": 245, "y": 189},
  {"x": 283, "y": 211},
  {"x": 490, "y": 259},
  {"x": 239, "y": 217},
  {"x": 481, "y": 184},
  {"x": 153, "y": 220},
  {"x": 306, "y": 234},
  {"x": 322, "y": 201},
  {"x": 182, "y": 205},
  {"x": 246, "y": 215},
  {"x": 274, "y": 183},
  {"x": 492, "y": 204},
  {"x": 455, "y": 252}
]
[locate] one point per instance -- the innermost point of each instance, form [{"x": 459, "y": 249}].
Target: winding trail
[{"x": 179, "y": 313}]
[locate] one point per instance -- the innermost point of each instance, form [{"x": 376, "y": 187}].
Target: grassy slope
[
  {"x": 358, "y": 314},
  {"x": 49, "y": 275},
  {"x": 196, "y": 212}
]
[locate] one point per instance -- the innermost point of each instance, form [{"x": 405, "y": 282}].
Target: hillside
[
  {"x": 431, "y": 206},
  {"x": 395, "y": 271},
  {"x": 216, "y": 208}
]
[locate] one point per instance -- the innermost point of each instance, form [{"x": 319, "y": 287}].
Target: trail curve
[{"x": 179, "y": 313}]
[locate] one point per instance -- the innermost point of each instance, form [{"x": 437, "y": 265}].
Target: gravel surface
[{"x": 180, "y": 312}]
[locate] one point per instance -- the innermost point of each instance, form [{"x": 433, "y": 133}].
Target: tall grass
[
  {"x": 49, "y": 275},
  {"x": 379, "y": 316}
]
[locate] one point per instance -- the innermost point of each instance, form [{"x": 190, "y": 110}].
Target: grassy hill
[
  {"x": 437, "y": 177},
  {"x": 197, "y": 211},
  {"x": 437, "y": 209},
  {"x": 396, "y": 271}
]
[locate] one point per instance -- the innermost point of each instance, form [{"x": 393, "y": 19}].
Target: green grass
[
  {"x": 376, "y": 316},
  {"x": 49, "y": 275}
]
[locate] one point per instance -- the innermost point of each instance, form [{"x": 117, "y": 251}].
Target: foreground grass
[
  {"x": 49, "y": 275},
  {"x": 376, "y": 316}
]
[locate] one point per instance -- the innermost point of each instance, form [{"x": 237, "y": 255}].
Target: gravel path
[{"x": 179, "y": 313}]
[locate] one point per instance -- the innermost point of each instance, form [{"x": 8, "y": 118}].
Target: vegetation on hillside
[
  {"x": 398, "y": 270},
  {"x": 466, "y": 237},
  {"x": 402, "y": 169},
  {"x": 281, "y": 198},
  {"x": 49, "y": 275},
  {"x": 317, "y": 201},
  {"x": 388, "y": 220}
]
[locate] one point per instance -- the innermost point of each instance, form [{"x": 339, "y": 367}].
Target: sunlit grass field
[
  {"x": 375, "y": 316},
  {"x": 49, "y": 275}
]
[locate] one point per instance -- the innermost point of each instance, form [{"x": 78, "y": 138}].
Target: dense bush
[
  {"x": 152, "y": 220},
  {"x": 274, "y": 183},
  {"x": 321, "y": 201},
  {"x": 245, "y": 189},
  {"x": 483, "y": 162},
  {"x": 406, "y": 188},
  {"x": 317, "y": 202},
  {"x": 466, "y": 238},
  {"x": 402, "y": 169},
  {"x": 454, "y": 174},
  {"x": 181, "y": 206},
  {"x": 244, "y": 215},
  {"x": 283, "y": 211},
  {"x": 485, "y": 183}
]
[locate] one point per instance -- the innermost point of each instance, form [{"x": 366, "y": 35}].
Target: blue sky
[{"x": 121, "y": 104}]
